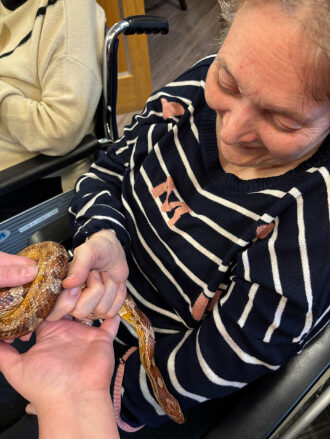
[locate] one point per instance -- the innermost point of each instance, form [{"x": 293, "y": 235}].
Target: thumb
[
  {"x": 14, "y": 275},
  {"x": 81, "y": 265},
  {"x": 111, "y": 326}
]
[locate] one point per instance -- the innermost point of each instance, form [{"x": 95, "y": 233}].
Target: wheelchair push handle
[
  {"x": 136, "y": 24},
  {"x": 146, "y": 24}
]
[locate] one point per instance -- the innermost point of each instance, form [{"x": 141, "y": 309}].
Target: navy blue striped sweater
[{"x": 233, "y": 274}]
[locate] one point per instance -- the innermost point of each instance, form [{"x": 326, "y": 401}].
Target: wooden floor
[{"x": 192, "y": 35}]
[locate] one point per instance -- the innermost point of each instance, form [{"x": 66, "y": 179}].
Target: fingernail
[
  {"x": 75, "y": 291},
  {"x": 30, "y": 410},
  {"x": 26, "y": 337},
  {"x": 71, "y": 276}
]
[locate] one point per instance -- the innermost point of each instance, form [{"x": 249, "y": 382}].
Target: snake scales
[{"x": 23, "y": 308}]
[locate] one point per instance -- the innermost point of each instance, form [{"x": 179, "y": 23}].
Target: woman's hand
[
  {"x": 16, "y": 270},
  {"x": 101, "y": 264}
]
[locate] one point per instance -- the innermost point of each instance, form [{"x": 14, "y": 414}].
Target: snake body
[
  {"x": 143, "y": 327},
  {"x": 23, "y": 308}
]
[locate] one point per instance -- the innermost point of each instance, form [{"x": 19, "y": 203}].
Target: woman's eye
[
  {"x": 227, "y": 89},
  {"x": 230, "y": 89},
  {"x": 227, "y": 84},
  {"x": 285, "y": 123}
]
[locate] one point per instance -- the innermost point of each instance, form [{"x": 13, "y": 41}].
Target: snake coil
[{"x": 23, "y": 308}]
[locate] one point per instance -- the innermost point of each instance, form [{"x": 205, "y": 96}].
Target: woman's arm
[{"x": 58, "y": 122}]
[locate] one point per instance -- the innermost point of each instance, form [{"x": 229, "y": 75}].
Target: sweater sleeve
[
  {"x": 50, "y": 105},
  {"x": 277, "y": 294},
  {"x": 97, "y": 203},
  {"x": 58, "y": 122}
]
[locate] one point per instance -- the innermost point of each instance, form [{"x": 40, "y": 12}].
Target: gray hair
[{"x": 314, "y": 17}]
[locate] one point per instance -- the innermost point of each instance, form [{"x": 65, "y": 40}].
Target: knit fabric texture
[
  {"x": 50, "y": 75},
  {"x": 233, "y": 274}
]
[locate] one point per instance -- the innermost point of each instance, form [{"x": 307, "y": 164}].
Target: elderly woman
[{"x": 216, "y": 200}]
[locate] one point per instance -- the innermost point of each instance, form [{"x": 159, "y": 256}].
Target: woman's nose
[{"x": 238, "y": 124}]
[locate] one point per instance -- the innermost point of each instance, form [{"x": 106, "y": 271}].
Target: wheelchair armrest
[
  {"x": 33, "y": 169},
  {"x": 265, "y": 403}
]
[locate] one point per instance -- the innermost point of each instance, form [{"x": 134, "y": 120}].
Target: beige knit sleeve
[{"x": 58, "y": 122}]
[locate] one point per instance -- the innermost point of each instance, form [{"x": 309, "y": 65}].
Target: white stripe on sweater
[
  {"x": 84, "y": 177},
  {"x": 244, "y": 356},
  {"x": 203, "y": 192},
  {"x": 150, "y": 145},
  {"x": 147, "y": 395},
  {"x": 155, "y": 259},
  {"x": 304, "y": 262},
  {"x": 194, "y": 83},
  {"x": 273, "y": 259},
  {"x": 180, "y": 232},
  {"x": 107, "y": 171},
  {"x": 99, "y": 217},
  {"x": 277, "y": 319},
  {"x": 246, "y": 265},
  {"x": 184, "y": 268},
  {"x": 151, "y": 306},
  {"x": 252, "y": 293},
  {"x": 212, "y": 376},
  {"x": 273, "y": 192},
  {"x": 173, "y": 377}
]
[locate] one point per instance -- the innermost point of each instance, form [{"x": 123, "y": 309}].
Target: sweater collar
[{"x": 12, "y": 4}]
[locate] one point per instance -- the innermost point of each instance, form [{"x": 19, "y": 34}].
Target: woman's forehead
[{"x": 265, "y": 55}]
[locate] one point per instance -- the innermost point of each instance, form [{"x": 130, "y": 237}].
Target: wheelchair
[{"x": 277, "y": 406}]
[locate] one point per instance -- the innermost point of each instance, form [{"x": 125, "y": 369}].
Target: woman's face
[{"x": 265, "y": 119}]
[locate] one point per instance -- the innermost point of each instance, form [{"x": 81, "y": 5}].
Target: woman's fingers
[
  {"x": 90, "y": 296},
  {"x": 65, "y": 304},
  {"x": 110, "y": 289},
  {"x": 30, "y": 410},
  {"x": 26, "y": 337},
  {"x": 117, "y": 301},
  {"x": 80, "y": 266},
  {"x": 102, "y": 298}
]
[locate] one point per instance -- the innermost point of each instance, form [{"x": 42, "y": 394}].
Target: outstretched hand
[{"x": 69, "y": 358}]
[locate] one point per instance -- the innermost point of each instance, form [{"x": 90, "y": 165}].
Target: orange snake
[{"x": 23, "y": 308}]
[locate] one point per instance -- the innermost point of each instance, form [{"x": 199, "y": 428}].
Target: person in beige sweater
[{"x": 50, "y": 78}]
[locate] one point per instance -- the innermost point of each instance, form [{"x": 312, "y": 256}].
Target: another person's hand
[
  {"x": 100, "y": 263},
  {"x": 66, "y": 376},
  {"x": 16, "y": 270},
  {"x": 69, "y": 358}
]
